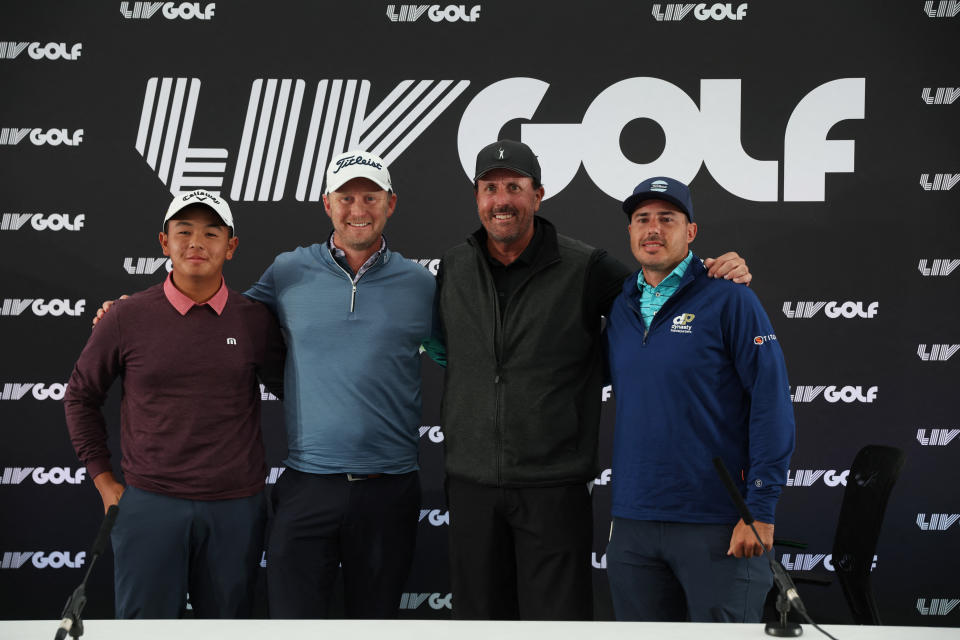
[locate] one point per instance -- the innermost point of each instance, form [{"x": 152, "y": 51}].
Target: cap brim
[
  {"x": 171, "y": 213},
  {"x": 503, "y": 166},
  {"x": 630, "y": 204},
  {"x": 379, "y": 183}
]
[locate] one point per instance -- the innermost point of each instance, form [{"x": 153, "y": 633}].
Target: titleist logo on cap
[{"x": 352, "y": 160}]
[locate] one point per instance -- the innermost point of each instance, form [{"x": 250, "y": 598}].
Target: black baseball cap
[
  {"x": 508, "y": 154},
  {"x": 660, "y": 188}
]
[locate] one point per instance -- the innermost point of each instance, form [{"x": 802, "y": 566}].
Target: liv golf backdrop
[{"x": 820, "y": 139}]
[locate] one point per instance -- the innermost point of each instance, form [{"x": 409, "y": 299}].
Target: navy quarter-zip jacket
[{"x": 706, "y": 379}]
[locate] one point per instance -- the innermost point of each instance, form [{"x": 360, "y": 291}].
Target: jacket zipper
[
  {"x": 498, "y": 348},
  {"x": 353, "y": 284},
  {"x": 658, "y": 315}
]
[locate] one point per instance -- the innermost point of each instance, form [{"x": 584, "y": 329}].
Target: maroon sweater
[{"x": 190, "y": 412}]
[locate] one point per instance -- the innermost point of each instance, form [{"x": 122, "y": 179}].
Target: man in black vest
[{"x": 520, "y": 307}]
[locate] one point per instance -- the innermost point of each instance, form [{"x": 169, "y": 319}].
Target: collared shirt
[
  {"x": 652, "y": 298},
  {"x": 507, "y": 277},
  {"x": 341, "y": 257},
  {"x": 182, "y": 303}
]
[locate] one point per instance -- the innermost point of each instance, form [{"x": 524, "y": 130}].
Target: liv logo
[{"x": 340, "y": 118}]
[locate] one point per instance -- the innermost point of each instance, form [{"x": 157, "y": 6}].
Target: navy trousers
[
  {"x": 520, "y": 553},
  {"x": 674, "y": 571},
  {"x": 323, "y": 521},
  {"x": 165, "y": 547}
]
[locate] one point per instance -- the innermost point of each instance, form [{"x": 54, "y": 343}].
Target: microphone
[
  {"x": 100, "y": 542},
  {"x": 788, "y": 590},
  {"x": 735, "y": 496},
  {"x": 72, "y": 623}
]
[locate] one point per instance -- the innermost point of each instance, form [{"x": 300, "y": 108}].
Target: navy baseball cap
[
  {"x": 508, "y": 154},
  {"x": 660, "y": 188}
]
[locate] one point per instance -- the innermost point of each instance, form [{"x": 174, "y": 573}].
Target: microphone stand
[
  {"x": 787, "y": 597},
  {"x": 72, "y": 622}
]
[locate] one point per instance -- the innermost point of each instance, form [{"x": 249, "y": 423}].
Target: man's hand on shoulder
[
  {"x": 743, "y": 544},
  {"x": 729, "y": 266},
  {"x": 104, "y": 308},
  {"x": 110, "y": 490}
]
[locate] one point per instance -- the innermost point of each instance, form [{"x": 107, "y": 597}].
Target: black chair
[{"x": 872, "y": 475}]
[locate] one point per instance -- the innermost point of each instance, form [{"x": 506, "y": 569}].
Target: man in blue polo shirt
[
  {"x": 354, "y": 314},
  {"x": 697, "y": 373}
]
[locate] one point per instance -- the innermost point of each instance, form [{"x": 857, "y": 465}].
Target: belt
[{"x": 354, "y": 477}]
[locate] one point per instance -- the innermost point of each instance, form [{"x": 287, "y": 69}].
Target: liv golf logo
[
  {"x": 832, "y": 394},
  {"x": 832, "y": 309},
  {"x": 170, "y": 10},
  {"x": 42, "y": 222},
  {"x": 718, "y": 11},
  {"x": 937, "y": 352},
  {"x": 39, "y": 137},
  {"x": 340, "y": 118},
  {"x": 40, "y": 51},
  {"x": 938, "y": 266},
  {"x": 436, "y": 13}
]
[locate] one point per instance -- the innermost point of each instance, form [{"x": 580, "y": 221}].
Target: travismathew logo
[
  {"x": 941, "y": 9},
  {"x": 938, "y": 267},
  {"x": 51, "y": 137},
  {"x": 848, "y": 394},
  {"x": 937, "y": 606},
  {"x": 940, "y": 95},
  {"x": 937, "y": 352},
  {"x": 832, "y": 309},
  {"x": 171, "y": 10},
  {"x": 940, "y": 182},
  {"x": 39, "y": 51},
  {"x": 42, "y": 221},
  {"x": 272, "y": 132},
  {"x": 436, "y": 13},
  {"x": 717, "y": 11}
]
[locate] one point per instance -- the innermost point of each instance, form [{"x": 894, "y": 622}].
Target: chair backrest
[{"x": 872, "y": 475}]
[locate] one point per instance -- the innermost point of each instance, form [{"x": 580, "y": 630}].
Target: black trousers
[
  {"x": 520, "y": 554},
  {"x": 321, "y": 522}
]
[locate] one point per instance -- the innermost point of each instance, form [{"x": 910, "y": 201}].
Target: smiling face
[
  {"x": 198, "y": 244},
  {"x": 359, "y": 210},
  {"x": 659, "y": 237},
  {"x": 506, "y": 202}
]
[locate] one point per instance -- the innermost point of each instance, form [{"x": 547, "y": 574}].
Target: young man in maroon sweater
[{"x": 189, "y": 352}]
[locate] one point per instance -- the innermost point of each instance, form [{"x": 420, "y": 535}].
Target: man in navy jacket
[{"x": 697, "y": 373}]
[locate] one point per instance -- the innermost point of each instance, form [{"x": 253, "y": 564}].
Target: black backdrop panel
[{"x": 820, "y": 139}]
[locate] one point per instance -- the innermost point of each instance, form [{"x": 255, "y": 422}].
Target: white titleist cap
[
  {"x": 212, "y": 200},
  {"x": 357, "y": 164}
]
